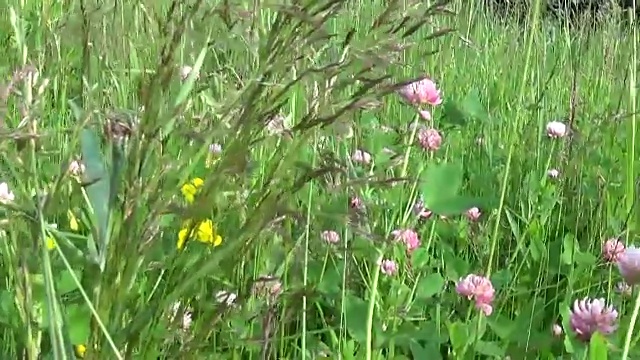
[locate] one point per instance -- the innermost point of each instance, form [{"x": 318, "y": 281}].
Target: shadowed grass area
[{"x": 205, "y": 180}]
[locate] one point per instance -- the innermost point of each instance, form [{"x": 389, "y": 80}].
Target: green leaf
[
  {"x": 65, "y": 283},
  {"x": 441, "y": 182},
  {"x": 569, "y": 249},
  {"x": 356, "y": 311},
  {"x": 598, "y": 347},
  {"x": 455, "y": 205},
  {"x": 78, "y": 323},
  {"x": 185, "y": 90},
  {"x": 420, "y": 352},
  {"x": 420, "y": 258},
  {"x": 470, "y": 108},
  {"x": 189, "y": 83},
  {"x": 453, "y": 115},
  {"x": 429, "y": 286},
  {"x": 490, "y": 349},
  {"x": 458, "y": 335},
  {"x": 473, "y": 108},
  {"x": 98, "y": 189},
  {"x": 502, "y": 326}
]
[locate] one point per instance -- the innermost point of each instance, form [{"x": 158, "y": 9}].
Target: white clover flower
[
  {"x": 6, "y": 195},
  {"x": 556, "y": 129}
]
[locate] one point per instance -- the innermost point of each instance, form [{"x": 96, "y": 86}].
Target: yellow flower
[
  {"x": 50, "y": 242},
  {"x": 205, "y": 232},
  {"x": 73, "y": 221},
  {"x": 80, "y": 350},
  {"x": 190, "y": 190}
]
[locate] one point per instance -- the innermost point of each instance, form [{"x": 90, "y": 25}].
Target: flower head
[
  {"x": 556, "y": 330},
  {"x": 214, "y": 154},
  {"x": 623, "y": 288},
  {"x": 629, "y": 265},
  {"x": 278, "y": 125},
  {"x": 330, "y": 237},
  {"x": 425, "y": 114},
  {"x": 204, "y": 232},
  {"x": 225, "y": 297},
  {"x": 80, "y": 350},
  {"x": 429, "y": 139},
  {"x": 556, "y": 129},
  {"x": 479, "y": 289},
  {"x": 186, "y": 320},
  {"x": 553, "y": 173},
  {"x": 268, "y": 287},
  {"x": 215, "y": 149},
  {"x": 73, "y": 221},
  {"x": 388, "y": 267},
  {"x": 185, "y": 71},
  {"x": 356, "y": 203},
  {"x": 190, "y": 189},
  {"x": 612, "y": 250},
  {"x": 6, "y": 196},
  {"x": 76, "y": 168},
  {"x": 591, "y": 315},
  {"x": 50, "y": 241},
  {"x": 473, "y": 214},
  {"x": 408, "y": 237},
  {"x": 421, "y": 92},
  {"x": 421, "y": 211},
  {"x": 361, "y": 157}
]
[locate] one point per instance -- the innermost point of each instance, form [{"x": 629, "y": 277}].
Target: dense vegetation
[{"x": 317, "y": 179}]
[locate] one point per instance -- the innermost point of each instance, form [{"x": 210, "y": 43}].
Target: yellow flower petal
[
  {"x": 80, "y": 350},
  {"x": 51, "y": 243},
  {"x": 197, "y": 182},
  {"x": 73, "y": 221},
  {"x": 182, "y": 238},
  {"x": 190, "y": 190},
  {"x": 204, "y": 232}
]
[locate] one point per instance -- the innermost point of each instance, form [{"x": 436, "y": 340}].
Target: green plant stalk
[
  {"x": 514, "y": 129},
  {"x": 632, "y": 324},
  {"x": 372, "y": 307},
  {"x": 405, "y": 161},
  {"x": 92, "y": 309},
  {"x": 630, "y": 188}
]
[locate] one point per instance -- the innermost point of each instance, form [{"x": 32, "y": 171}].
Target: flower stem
[
  {"x": 372, "y": 306},
  {"x": 405, "y": 162},
  {"x": 632, "y": 325}
]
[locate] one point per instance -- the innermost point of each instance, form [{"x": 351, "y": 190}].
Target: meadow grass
[{"x": 250, "y": 150}]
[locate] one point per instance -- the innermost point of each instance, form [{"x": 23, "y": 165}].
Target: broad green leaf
[
  {"x": 502, "y": 326},
  {"x": 458, "y": 335},
  {"x": 453, "y": 115},
  {"x": 78, "y": 323},
  {"x": 491, "y": 349},
  {"x": 470, "y": 108},
  {"x": 429, "y": 286},
  {"x": 441, "y": 182},
  {"x": 356, "y": 313},
  {"x": 424, "y": 352},
  {"x": 473, "y": 108},
  {"x": 420, "y": 258},
  {"x": 65, "y": 283},
  {"x": 98, "y": 189},
  {"x": 454, "y": 205},
  {"x": 598, "y": 347}
]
